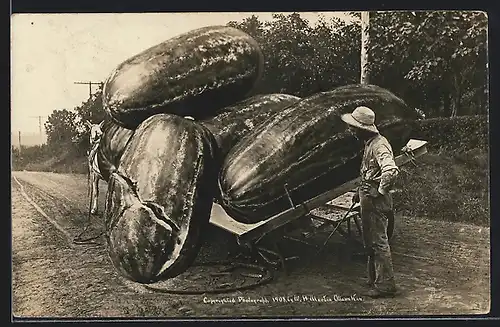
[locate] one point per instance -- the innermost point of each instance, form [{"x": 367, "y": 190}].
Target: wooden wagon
[{"x": 262, "y": 240}]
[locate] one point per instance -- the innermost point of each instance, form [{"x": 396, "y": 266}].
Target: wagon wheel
[{"x": 258, "y": 254}]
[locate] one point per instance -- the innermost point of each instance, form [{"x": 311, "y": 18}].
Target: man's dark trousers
[{"x": 375, "y": 211}]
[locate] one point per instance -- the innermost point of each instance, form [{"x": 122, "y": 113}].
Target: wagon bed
[{"x": 337, "y": 200}]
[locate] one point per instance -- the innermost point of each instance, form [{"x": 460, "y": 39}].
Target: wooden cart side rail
[
  {"x": 299, "y": 211},
  {"x": 221, "y": 219},
  {"x": 417, "y": 148}
]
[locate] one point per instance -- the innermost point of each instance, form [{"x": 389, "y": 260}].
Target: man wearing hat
[{"x": 378, "y": 171}]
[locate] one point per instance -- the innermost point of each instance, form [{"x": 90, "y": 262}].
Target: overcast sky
[{"x": 52, "y": 51}]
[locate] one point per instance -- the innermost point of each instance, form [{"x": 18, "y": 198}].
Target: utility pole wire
[
  {"x": 90, "y": 83},
  {"x": 39, "y": 123}
]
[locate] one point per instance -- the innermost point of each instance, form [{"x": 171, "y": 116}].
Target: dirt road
[{"x": 441, "y": 267}]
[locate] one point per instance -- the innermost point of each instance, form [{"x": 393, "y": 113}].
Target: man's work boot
[{"x": 375, "y": 293}]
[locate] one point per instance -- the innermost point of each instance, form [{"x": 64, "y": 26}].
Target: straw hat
[{"x": 361, "y": 117}]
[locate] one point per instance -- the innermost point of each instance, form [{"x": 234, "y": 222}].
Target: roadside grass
[
  {"x": 64, "y": 164},
  {"x": 446, "y": 185}
]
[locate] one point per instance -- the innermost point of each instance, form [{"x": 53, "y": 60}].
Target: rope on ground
[
  {"x": 266, "y": 275},
  {"x": 90, "y": 193}
]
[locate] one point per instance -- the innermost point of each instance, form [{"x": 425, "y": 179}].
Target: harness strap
[
  {"x": 93, "y": 168},
  {"x": 92, "y": 159}
]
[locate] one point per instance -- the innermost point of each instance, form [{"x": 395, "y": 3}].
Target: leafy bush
[
  {"x": 21, "y": 157},
  {"x": 458, "y": 133},
  {"x": 69, "y": 164},
  {"x": 42, "y": 158}
]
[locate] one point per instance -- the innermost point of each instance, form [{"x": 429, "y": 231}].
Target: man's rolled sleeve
[{"x": 388, "y": 167}]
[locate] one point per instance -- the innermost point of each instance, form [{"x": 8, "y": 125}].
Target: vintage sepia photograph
[{"x": 249, "y": 165}]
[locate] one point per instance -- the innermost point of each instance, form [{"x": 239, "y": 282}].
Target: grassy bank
[
  {"x": 75, "y": 166},
  {"x": 66, "y": 163},
  {"x": 446, "y": 185}
]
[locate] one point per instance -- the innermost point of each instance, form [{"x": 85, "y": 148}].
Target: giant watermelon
[
  {"x": 308, "y": 147},
  {"x": 159, "y": 200},
  {"x": 235, "y": 121},
  {"x": 193, "y": 74},
  {"x": 113, "y": 142}
]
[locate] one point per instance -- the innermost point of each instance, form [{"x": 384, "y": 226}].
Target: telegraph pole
[
  {"x": 19, "y": 141},
  {"x": 365, "y": 41},
  {"x": 90, "y": 83},
  {"x": 39, "y": 124}
]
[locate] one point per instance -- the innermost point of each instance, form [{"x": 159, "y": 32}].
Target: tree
[
  {"x": 336, "y": 50},
  {"x": 431, "y": 59},
  {"x": 301, "y": 59},
  {"x": 61, "y": 129},
  {"x": 436, "y": 61},
  {"x": 92, "y": 109}
]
